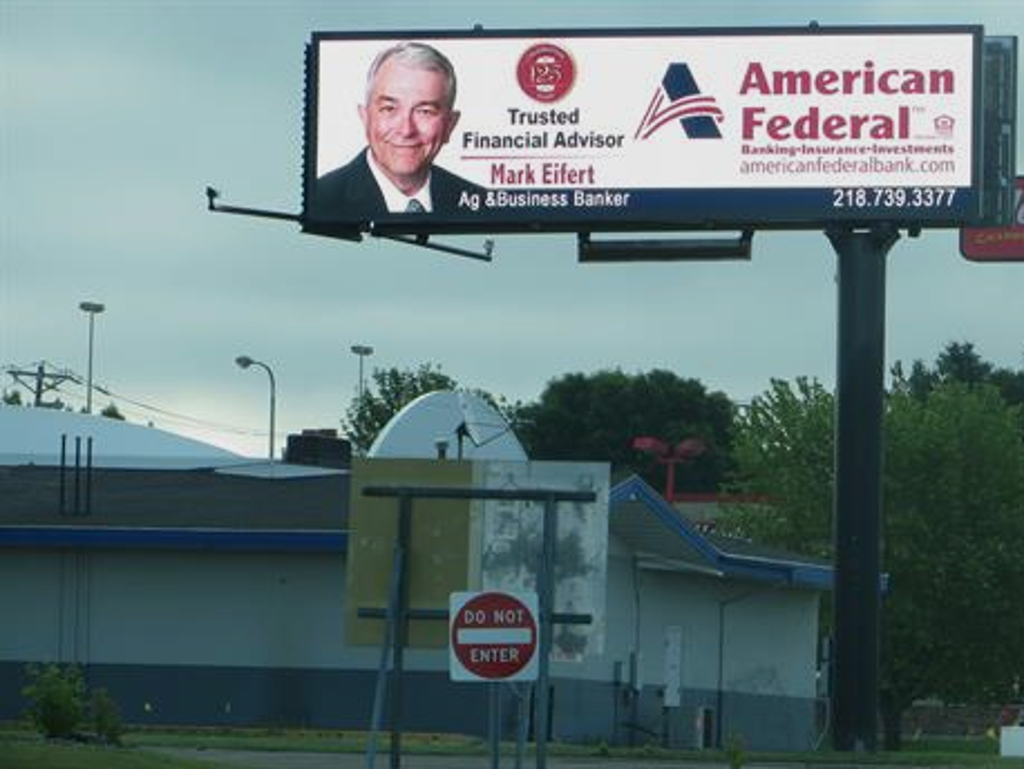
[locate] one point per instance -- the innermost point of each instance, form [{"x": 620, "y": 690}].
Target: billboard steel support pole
[{"x": 857, "y": 504}]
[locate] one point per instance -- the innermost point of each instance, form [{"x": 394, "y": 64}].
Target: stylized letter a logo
[{"x": 679, "y": 97}]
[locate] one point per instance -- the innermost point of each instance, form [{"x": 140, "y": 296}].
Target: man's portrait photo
[{"x": 407, "y": 114}]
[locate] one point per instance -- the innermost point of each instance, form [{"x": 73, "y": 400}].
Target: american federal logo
[{"x": 678, "y": 98}]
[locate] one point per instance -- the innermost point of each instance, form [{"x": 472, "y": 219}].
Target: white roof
[{"x": 33, "y": 436}]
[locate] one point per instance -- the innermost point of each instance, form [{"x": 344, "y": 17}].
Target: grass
[
  {"x": 36, "y": 754},
  {"x": 300, "y": 740},
  {"x": 21, "y": 749}
]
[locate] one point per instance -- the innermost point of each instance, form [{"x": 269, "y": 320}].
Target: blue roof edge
[
  {"x": 123, "y": 538},
  {"x": 765, "y": 568}
]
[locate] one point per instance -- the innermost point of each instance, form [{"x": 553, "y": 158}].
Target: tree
[
  {"x": 952, "y": 624},
  {"x": 597, "y": 416},
  {"x": 960, "y": 362},
  {"x": 11, "y": 398},
  {"x": 111, "y": 411},
  {"x": 783, "y": 452},
  {"x": 389, "y": 391},
  {"x": 953, "y": 526}
]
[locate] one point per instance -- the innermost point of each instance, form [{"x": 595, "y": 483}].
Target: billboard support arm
[
  {"x": 211, "y": 205},
  {"x": 424, "y": 242}
]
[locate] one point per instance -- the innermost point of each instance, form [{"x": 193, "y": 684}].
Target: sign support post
[
  {"x": 401, "y": 631},
  {"x": 857, "y": 503},
  {"x": 545, "y": 598},
  {"x": 398, "y": 613}
]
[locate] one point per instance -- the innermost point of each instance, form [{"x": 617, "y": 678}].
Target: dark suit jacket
[{"x": 350, "y": 193}]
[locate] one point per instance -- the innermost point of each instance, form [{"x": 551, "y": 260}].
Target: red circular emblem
[
  {"x": 494, "y": 636},
  {"x": 545, "y": 72}
]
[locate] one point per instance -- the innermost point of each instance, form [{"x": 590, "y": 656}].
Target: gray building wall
[
  {"x": 257, "y": 638},
  {"x": 748, "y": 653}
]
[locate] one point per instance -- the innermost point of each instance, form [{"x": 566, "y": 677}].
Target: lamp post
[
  {"x": 362, "y": 350},
  {"x": 92, "y": 309},
  {"x": 244, "y": 361}
]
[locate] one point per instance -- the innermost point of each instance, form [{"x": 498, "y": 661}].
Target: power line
[
  {"x": 62, "y": 376},
  {"x": 176, "y": 415}
]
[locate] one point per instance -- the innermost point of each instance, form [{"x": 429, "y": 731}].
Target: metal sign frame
[{"x": 670, "y": 209}]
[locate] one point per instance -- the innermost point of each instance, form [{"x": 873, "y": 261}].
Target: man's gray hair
[{"x": 417, "y": 56}]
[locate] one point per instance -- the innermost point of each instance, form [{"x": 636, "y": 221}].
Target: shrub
[
  {"x": 106, "y": 717},
  {"x": 57, "y": 698},
  {"x": 734, "y": 752}
]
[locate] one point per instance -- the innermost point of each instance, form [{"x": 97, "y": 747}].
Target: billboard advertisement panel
[
  {"x": 997, "y": 244},
  {"x": 635, "y": 129}
]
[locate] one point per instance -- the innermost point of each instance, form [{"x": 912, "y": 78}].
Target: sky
[{"x": 115, "y": 115}]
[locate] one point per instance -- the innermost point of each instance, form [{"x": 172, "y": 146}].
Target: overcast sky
[{"x": 114, "y": 116}]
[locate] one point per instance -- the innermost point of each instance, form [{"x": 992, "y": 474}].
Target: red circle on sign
[
  {"x": 494, "y": 635},
  {"x": 545, "y": 72}
]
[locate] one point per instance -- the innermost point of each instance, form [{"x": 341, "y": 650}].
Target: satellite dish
[{"x": 452, "y": 424}]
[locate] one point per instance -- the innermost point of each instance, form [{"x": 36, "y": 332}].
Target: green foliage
[
  {"x": 783, "y": 449},
  {"x": 955, "y": 523},
  {"x": 390, "y": 390},
  {"x": 59, "y": 703},
  {"x": 106, "y": 717},
  {"x": 385, "y": 395},
  {"x": 11, "y": 398},
  {"x": 112, "y": 412},
  {"x": 597, "y": 416},
  {"x": 953, "y": 518},
  {"x": 959, "y": 362},
  {"x": 56, "y": 695},
  {"x": 735, "y": 752}
]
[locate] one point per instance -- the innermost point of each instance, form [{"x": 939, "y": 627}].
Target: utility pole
[{"x": 38, "y": 382}]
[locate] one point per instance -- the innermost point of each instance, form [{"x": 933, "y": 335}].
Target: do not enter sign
[{"x": 493, "y": 636}]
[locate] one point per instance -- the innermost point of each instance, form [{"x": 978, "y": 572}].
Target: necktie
[{"x": 414, "y": 207}]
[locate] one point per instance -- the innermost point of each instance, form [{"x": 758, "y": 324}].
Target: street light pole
[
  {"x": 244, "y": 361},
  {"x": 92, "y": 309},
  {"x": 362, "y": 350}
]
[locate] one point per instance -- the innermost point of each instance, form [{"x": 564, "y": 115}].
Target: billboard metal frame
[{"x": 714, "y": 208}]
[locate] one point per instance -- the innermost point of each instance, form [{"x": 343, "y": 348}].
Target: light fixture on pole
[
  {"x": 685, "y": 451},
  {"x": 362, "y": 350},
  {"x": 244, "y": 361},
  {"x": 92, "y": 309}
]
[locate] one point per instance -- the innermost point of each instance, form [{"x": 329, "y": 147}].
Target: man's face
[{"x": 407, "y": 122}]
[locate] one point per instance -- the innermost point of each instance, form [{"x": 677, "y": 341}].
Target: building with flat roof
[{"x": 212, "y": 591}]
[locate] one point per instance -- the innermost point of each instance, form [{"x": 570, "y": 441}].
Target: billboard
[
  {"x": 642, "y": 129},
  {"x": 997, "y": 244}
]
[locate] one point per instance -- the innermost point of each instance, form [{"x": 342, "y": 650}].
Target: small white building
[{"x": 211, "y": 591}]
